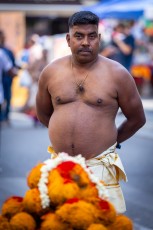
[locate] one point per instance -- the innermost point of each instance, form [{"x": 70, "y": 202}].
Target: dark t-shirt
[
  {"x": 119, "y": 56},
  {"x": 7, "y": 79}
]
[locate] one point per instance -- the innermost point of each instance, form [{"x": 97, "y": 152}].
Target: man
[
  {"x": 5, "y": 66},
  {"x": 78, "y": 99}
]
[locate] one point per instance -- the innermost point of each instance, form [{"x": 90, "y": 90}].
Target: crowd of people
[{"x": 28, "y": 65}]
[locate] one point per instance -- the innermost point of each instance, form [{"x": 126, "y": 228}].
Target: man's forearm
[
  {"x": 44, "y": 119},
  {"x": 127, "y": 129}
]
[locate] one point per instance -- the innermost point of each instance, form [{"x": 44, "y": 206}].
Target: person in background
[
  {"x": 38, "y": 59},
  {"x": 7, "y": 67},
  {"x": 6, "y": 79},
  {"x": 34, "y": 69},
  {"x": 122, "y": 46},
  {"x": 78, "y": 98}
]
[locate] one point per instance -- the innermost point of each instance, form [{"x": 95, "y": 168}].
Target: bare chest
[{"x": 95, "y": 91}]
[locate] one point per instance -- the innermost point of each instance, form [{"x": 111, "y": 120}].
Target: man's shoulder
[
  {"x": 113, "y": 68},
  {"x": 111, "y": 64},
  {"x": 54, "y": 67},
  {"x": 58, "y": 63}
]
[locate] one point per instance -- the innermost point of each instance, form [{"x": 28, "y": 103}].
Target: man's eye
[
  {"x": 78, "y": 36},
  {"x": 92, "y": 36}
]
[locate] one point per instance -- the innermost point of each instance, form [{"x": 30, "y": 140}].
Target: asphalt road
[{"x": 23, "y": 146}]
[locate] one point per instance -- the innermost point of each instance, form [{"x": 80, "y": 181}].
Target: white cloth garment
[{"x": 108, "y": 168}]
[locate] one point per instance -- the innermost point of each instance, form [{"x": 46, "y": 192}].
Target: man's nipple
[
  {"x": 58, "y": 99},
  {"x": 99, "y": 101}
]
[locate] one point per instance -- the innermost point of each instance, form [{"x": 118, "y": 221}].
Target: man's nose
[{"x": 85, "y": 41}]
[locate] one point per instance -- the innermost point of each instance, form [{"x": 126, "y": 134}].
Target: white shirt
[{"x": 5, "y": 65}]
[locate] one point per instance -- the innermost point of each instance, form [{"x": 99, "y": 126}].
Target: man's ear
[
  {"x": 68, "y": 39},
  {"x": 99, "y": 37}
]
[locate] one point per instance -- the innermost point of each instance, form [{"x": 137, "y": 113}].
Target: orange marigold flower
[
  {"x": 51, "y": 221},
  {"x": 34, "y": 176},
  {"x": 54, "y": 174},
  {"x": 32, "y": 202},
  {"x": 59, "y": 191},
  {"x": 4, "y": 224},
  {"x": 12, "y": 206},
  {"x": 89, "y": 193},
  {"x": 65, "y": 169},
  {"x": 73, "y": 200},
  {"x": 22, "y": 221},
  {"x": 79, "y": 176},
  {"x": 105, "y": 212},
  {"x": 97, "y": 227},
  {"x": 79, "y": 214},
  {"x": 122, "y": 222}
]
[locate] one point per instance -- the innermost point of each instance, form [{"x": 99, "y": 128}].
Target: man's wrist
[{"x": 118, "y": 146}]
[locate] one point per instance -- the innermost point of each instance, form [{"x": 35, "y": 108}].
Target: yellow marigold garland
[
  {"x": 59, "y": 193},
  {"x": 32, "y": 202},
  {"x": 34, "y": 176},
  {"x": 4, "y": 223},
  {"x": 51, "y": 221},
  {"x": 22, "y": 221},
  {"x": 79, "y": 214},
  {"x": 122, "y": 222},
  {"x": 106, "y": 213},
  {"x": 12, "y": 206},
  {"x": 97, "y": 227},
  {"x": 63, "y": 195}
]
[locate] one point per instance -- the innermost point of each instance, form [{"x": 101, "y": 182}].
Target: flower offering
[{"x": 63, "y": 195}]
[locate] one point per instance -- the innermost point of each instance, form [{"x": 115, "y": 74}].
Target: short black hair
[{"x": 83, "y": 18}]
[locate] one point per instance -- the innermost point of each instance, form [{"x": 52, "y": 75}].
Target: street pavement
[{"x": 22, "y": 146}]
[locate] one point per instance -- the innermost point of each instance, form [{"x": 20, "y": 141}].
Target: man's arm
[
  {"x": 131, "y": 106},
  {"x": 44, "y": 105}
]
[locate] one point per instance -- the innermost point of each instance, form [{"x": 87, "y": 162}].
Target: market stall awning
[{"x": 120, "y": 9}]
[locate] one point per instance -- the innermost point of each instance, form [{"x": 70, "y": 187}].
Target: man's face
[{"x": 84, "y": 42}]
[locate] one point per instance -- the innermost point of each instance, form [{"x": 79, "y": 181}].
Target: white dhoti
[{"x": 108, "y": 168}]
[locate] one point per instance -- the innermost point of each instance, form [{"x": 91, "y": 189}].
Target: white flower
[{"x": 50, "y": 164}]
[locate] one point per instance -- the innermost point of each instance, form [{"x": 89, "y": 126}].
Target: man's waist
[{"x": 107, "y": 151}]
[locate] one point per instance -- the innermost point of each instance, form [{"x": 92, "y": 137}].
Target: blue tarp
[{"x": 120, "y": 9}]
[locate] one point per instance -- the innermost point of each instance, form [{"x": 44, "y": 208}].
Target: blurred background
[{"x": 32, "y": 33}]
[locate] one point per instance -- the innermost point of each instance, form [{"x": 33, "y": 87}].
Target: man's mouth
[{"x": 85, "y": 51}]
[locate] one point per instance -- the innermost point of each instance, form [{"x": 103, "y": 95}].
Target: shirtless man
[{"x": 79, "y": 96}]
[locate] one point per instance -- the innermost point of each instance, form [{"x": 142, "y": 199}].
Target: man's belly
[{"x": 82, "y": 130}]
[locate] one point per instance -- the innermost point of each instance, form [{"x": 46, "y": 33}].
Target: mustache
[{"x": 84, "y": 50}]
